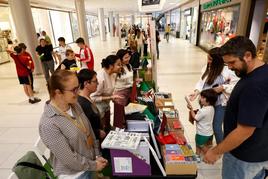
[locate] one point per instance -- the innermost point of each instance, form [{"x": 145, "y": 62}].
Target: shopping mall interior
[{"x": 177, "y": 70}]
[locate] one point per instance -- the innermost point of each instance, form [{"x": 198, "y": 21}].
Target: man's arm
[{"x": 232, "y": 141}]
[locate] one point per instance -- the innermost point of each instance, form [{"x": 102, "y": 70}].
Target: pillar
[
  {"x": 117, "y": 23},
  {"x": 101, "y": 24},
  {"x": 111, "y": 23},
  {"x": 24, "y": 24},
  {"x": 132, "y": 19},
  {"x": 81, "y": 17}
]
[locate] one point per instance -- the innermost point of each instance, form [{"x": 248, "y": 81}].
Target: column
[
  {"x": 81, "y": 17},
  {"x": 23, "y": 21},
  {"x": 117, "y": 25},
  {"x": 132, "y": 19},
  {"x": 101, "y": 24},
  {"x": 111, "y": 23}
]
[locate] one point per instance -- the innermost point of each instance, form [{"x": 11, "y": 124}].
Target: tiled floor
[{"x": 178, "y": 70}]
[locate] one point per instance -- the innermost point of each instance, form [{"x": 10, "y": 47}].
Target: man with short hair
[
  {"x": 86, "y": 56},
  {"x": 62, "y": 49},
  {"x": 245, "y": 144}
]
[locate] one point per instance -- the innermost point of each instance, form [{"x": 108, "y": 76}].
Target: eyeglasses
[{"x": 74, "y": 90}]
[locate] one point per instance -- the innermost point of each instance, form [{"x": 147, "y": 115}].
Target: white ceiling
[{"x": 124, "y": 7}]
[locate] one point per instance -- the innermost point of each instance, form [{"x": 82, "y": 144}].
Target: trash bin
[{"x": 177, "y": 34}]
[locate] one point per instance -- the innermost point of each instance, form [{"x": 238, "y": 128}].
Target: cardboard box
[
  {"x": 178, "y": 168},
  {"x": 164, "y": 103}
]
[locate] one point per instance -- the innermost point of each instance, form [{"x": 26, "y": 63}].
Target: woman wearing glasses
[
  {"x": 111, "y": 66},
  {"x": 65, "y": 130},
  {"x": 88, "y": 84},
  {"x": 123, "y": 84}
]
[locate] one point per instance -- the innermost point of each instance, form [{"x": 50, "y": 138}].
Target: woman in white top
[
  {"x": 217, "y": 76},
  {"x": 123, "y": 84},
  {"x": 111, "y": 66}
]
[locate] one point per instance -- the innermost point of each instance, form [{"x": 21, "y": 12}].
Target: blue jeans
[
  {"x": 233, "y": 168},
  {"x": 217, "y": 123},
  {"x": 85, "y": 175}
]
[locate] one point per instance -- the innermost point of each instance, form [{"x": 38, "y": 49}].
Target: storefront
[
  {"x": 5, "y": 33},
  {"x": 259, "y": 28},
  {"x": 220, "y": 21},
  {"x": 175, "y": 21},
  {"x": 189, "y": 21}
]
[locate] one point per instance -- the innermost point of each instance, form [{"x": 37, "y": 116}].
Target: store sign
[{"x": 214, "y": 3}]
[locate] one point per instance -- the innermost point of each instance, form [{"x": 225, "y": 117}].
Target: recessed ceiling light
[{"x": 171, "y": 3}]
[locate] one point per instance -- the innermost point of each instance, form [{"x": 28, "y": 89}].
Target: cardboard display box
[{"x": 164, "y": 103}]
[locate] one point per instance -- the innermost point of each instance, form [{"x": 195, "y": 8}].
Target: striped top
[{"x": 69, "y": 152}]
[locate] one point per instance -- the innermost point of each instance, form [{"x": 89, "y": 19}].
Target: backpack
[{"x": 29, "y": 166}]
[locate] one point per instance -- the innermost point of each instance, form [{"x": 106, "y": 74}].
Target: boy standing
[
  {"x": 85, "y": 55},
  {"x": 62, "y": 49}
]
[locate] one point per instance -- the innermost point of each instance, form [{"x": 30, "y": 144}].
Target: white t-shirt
[
  {"x": 62, "y": 51},
  {"x": 204, "y": 119},
  {"x": 125, "y": 80}
]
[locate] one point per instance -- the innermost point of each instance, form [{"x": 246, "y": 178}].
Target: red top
[
  {"x": 21, "y": 62},
  {"x": 86, "y": 55},
  {"x": 30, "y": 60}
]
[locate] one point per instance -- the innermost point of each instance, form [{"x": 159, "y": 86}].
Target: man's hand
[{"x": 211, "y": 156}]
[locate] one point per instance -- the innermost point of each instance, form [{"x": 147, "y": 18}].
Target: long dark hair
[
  {"x": 216, "y": 66},
  {"x": 109, "y": 60},
  {"x": 121, "y": 53}
]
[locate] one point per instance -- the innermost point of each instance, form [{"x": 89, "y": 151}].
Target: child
[
  {"x": 69, "y": 62},
  {"x": 204, "y": 119},
  {"x": 86, "y": 56}
]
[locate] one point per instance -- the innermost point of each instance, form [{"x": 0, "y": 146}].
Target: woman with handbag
[
  {"x": 65, "y": 130},
  {"x": 217, "y": 76}
]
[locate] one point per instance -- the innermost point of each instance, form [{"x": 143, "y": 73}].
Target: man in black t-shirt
[
  {"x": 245, "y": 144},
  {"x": 44, "y": 52}
]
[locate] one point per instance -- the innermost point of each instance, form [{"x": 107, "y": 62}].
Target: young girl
[{"x": 204, "y": 119}]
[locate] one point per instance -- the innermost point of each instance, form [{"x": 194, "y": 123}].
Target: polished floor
[{"x": 178, "y": 69}]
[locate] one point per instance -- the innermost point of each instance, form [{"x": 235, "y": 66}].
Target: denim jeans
[
  {"x": 217, "y": 123},
  {"x": 233, "y": 168},
  {"x": 85, "y": 175}
]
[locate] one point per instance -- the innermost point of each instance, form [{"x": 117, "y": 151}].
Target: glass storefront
[
  {"x": 61, "y": 26},
  {"x": 74, "y": 25},
  {"x": 175, "y": 21},
  {"x": 92, "y": 25},
  {"x": 218, "y": 26},
  {"x": 5, "y": 33}
]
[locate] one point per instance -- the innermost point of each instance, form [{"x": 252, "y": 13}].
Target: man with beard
[{"x": 245, "y": 144}]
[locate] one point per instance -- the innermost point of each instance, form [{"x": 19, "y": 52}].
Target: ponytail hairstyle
[{"x": 108, "y": 61}]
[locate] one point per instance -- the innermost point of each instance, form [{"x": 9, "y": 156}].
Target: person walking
[{"x": 245, "y": 145}]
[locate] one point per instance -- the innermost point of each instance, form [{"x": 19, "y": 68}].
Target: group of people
[
  {"x": 233, "y": 93},
  {"x": 76, "y": 119}
]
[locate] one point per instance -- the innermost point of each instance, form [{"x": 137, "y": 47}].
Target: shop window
[
  {"x": 74, "y": 25},
  {"x": 218, "y": 26}
]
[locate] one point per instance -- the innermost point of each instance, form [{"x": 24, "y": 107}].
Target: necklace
[{"x": 77, "y": 122}]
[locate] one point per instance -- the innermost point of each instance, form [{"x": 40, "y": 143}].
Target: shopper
[
  {"x": 86, "y": 56},
  {"x": 245, "y": 145},
  {"x": 62, "y": 49},
  {"x": 88, "y": 84},
  {"x": 167, "y": 32},
  {"x": 44, "y": 53},
  {"x": 157, "y": 38},
  {"x": 23, "y": 67},
  {"x": 217, "y": 76},
  {"x": 135, "y": 56},
  {"x": 140, "y": 42},
  {"x": 123, "y": 84},
  {"x": 31, "y": 63},
  {"x": 203, "y": 119},
  {"x": 67, "y": 133},
  {"x": 111, "y": 66},
  {"x": 69, "y": 62},
  {"x": 46, "y": 37}
]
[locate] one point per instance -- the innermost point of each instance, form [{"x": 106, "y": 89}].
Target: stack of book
[{"x": 175, "y": 153}]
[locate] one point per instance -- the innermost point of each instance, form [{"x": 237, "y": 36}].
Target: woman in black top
[{"x": 88, "y": 84}]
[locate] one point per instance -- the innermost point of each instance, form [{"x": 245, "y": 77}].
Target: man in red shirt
[
  {"x": 85, "y": 55},
  {"x": 23, "y": 67}
]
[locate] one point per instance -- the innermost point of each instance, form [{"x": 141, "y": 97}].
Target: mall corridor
[{"x": 179, "y": 68}]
